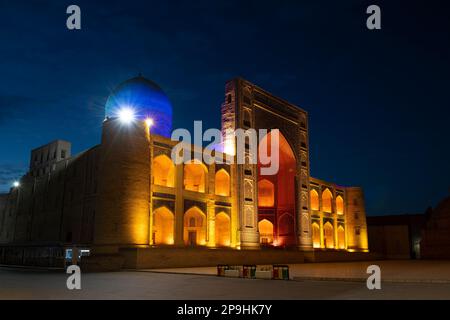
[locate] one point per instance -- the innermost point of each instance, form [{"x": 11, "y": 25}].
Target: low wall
[
  {"x": 40, "y": 256},
  {"x": 340, "y": 256},
  {"x": 149, "y": 258}
]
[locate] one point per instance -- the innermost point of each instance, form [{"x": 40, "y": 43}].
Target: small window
[
  {"x": 54, "y": 155},
  {"x": 357, "y": 231},
  {"x": 191, "y": 222},
  {"x": 356, "y": 215},
  {"x": 63, "y": 154},
  {"x": 229, "y": 98}
]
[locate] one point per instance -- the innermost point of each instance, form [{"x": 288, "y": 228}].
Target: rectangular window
[
  {"x": 357, "y": 231},
  {"x": 63, "y": 154}
]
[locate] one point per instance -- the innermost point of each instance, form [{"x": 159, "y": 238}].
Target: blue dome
[{"x": 146, "y": 99}]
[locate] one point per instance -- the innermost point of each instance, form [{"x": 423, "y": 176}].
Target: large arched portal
[
  {"x": 163, "y": 226},
  {"x": 276, "y": 193}
]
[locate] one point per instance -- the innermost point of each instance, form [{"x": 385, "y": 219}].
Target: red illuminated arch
[{"x": 282, "y": 212}]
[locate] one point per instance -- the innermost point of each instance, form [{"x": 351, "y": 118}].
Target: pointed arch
[
  {"x": 194, "y": 227},
  {"x": 316, "y": 235},
  {"x": 222, "y": 230},
  {"x": 195, "y": 174},
  {"x": 314, "y": 200},
  {"x": 266, "y": 193},
  {"x": 277, "y": 192},
  {"x": 339, "y": 205},
  {"x": 265, "y": 231},
  {"x": 163, "y": 226},
  {"x": 341, "y": 237},
  {"x": 222, "y": 183},
  {"x": 328, "y": 235},
  {"x": 163, "y": 172},
  {"x": 327, "y": 198}
]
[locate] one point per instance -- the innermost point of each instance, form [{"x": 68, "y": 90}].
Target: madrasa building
[{"x": 128, "y": 204}]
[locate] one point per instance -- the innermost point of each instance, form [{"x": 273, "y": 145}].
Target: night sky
[{"x": 378, "y": 101}]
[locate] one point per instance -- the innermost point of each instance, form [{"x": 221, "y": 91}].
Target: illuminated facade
[{"x": 127, "y": 192}]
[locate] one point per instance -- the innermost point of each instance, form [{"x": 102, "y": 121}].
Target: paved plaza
[
  {"x": 42, "y": 284},
  {"x": 411, "y": 271}
]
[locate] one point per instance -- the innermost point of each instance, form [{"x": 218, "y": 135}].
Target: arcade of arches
[
  {"x": 325, "y": 233},
  {"x": 276, "y": 205}
]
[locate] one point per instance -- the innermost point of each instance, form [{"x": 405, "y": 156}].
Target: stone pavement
[
  {"x": 40, "y": 284},
  {"x": 413, "y": 271}
]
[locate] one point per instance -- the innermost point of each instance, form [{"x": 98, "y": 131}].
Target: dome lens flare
[{"x": 126, "y": 115}]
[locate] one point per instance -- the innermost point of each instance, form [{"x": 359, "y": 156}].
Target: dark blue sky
[{"x": 378, "y": 101}]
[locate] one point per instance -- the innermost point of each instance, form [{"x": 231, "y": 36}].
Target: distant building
[
  {"x": 126, "y": 193},
  {"x": 396, "y": 236},
  {"x": 436, "y": 234}
]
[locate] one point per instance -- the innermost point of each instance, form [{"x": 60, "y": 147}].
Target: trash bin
[
  {"x": 281, "y": 272},
  {"x": 221, "y": 269},
  {"x": 249, "y": 271}
]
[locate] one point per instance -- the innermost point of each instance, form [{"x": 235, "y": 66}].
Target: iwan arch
[{"x": 125, "y": 199}]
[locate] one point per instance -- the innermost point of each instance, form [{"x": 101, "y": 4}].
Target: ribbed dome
[{"x": 146, "y": 99}]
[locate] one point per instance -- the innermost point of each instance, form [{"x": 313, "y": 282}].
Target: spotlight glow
[
  {"x": 126, "y": 115},
  {"x": 149, "y": 122},
  {"x": 16, "y": 184}
]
